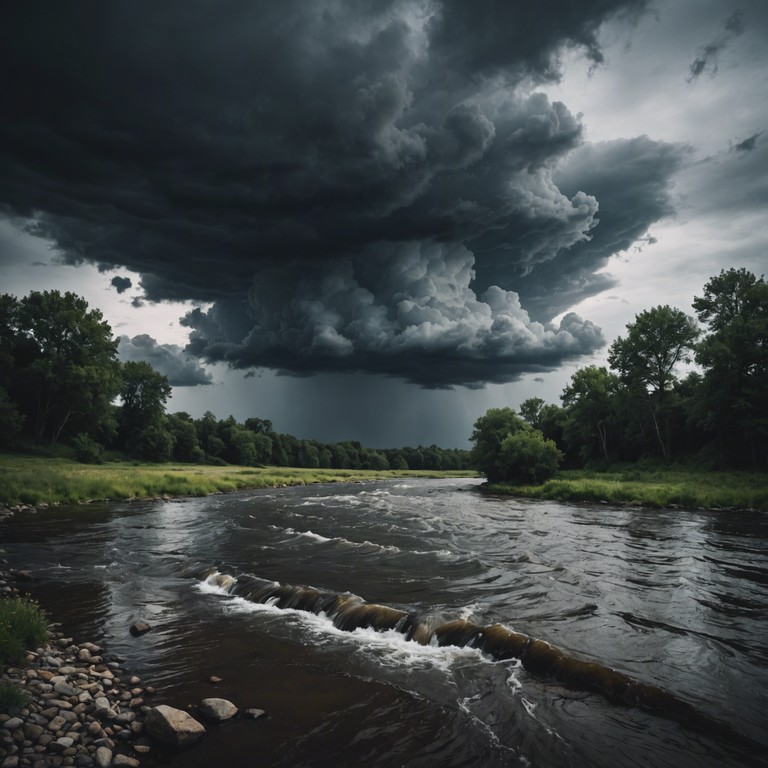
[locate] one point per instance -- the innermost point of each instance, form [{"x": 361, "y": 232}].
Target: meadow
[
  {"x": 650, "y": 487},
  {"x": 35, "y": 479}
]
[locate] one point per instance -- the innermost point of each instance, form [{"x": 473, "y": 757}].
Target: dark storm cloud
[
  {"x": 632, "y": 180},
  {"x": 329, "y": 175},
  {"x": 709, "y": 54},
  {"x": 168, "y": 359},
  {"x": 121, "y": 284},
  {"x": 748, "y": 144}
]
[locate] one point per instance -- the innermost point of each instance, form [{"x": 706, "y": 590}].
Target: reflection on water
[{"x": 675, "y": 599}]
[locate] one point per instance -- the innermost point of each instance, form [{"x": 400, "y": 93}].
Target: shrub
[
  {"x": 12, "y": 697},
  {"x": 23, "y": 624},
  {"x": 87, "y": 450},
  {"x": 526, "y": 457}
]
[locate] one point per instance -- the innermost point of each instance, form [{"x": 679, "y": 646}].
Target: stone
[
  {"x": 254, "y": 713},
  {"x": 217, "y": 709},
  {"x": 214, "y": 679},
  {"x": 139, "y": 628},
  {"x": 103, "y": 757},
  {"x": 33, "y": 732},
  {"x": 173, "y": 726},
  {"x": 13, "y": 723},
  {"x": 141, "y": 749},
  {"x": 24, "y": 575},
  {"x": 126, "y": 761},
  {"x": 56, "y": 724}
]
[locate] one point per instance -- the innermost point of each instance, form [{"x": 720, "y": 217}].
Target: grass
[
  {"x": 23, "y": 625},
  {"x": 35, "y": 479},
  {"x": 686, "y": 488},
  {"x": 12, "y": 698}
]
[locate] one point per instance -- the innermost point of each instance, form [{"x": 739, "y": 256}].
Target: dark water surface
[{"x": 675, "y": 599}]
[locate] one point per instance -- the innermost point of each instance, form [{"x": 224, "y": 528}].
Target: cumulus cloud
[
  {"x": 172, "y": 361},
  {"x": 415, "y": 305},
  {"x": 353, "y": 186},
  {"x": 121, "y": 284}
]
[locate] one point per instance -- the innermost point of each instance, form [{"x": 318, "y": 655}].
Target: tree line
[
  {"x": 61, "y": 383},
  {"x": 645, "y": 404}
]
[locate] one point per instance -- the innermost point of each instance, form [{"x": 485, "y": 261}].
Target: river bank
[
  {"x": 654, "y": 488},
  {"x": 33, "y": 480}
]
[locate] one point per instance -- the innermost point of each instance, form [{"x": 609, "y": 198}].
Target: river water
[{"x": 674, "y": 599}]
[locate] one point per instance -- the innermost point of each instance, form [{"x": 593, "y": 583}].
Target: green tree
[
  {"x": 732, "y": 400},
  {"x": 64, "y": 362},
  {"x": 186, "y": 445},
  {"x": 527, "y": 457},
  {"x": 490, "y": 431},
  {"x": 531, "y": 409},
  {"x": 143, "y": 428},
  {"x": 588, "y": 399},
  {"x": 645, "y": 360}
]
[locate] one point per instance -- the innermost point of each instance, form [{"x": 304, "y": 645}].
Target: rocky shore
[{"x": 83, "y": 708}]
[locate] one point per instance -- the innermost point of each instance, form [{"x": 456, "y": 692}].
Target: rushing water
[{"x": 673, "y": 599}]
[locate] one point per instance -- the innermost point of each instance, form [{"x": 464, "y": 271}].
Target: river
[{"x": 676, "y": 600}]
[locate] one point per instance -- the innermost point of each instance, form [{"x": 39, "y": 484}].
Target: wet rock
[
  {"x": 217, "y": 709},
  {"x": 254, "y": 713},
  {"x": 139, "y": 628},
  {"x": 215, "y": 679},
  {"x": 173, "y": 726}
]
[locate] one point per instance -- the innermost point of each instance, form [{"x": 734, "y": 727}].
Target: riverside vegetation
[{"x": 32, "y": 480}]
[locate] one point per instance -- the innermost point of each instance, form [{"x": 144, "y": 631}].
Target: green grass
[
  {"x": 35, "y": 479},
  {"x": 686, "y": 488},
  {"x": 23, "y": 625},
  {"x": 12, "y": 698}
]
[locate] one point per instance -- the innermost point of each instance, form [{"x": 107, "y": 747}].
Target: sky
[{"x": 371, "y": 220}]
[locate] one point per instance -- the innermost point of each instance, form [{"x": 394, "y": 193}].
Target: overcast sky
[{"x": 374, "y": 220}]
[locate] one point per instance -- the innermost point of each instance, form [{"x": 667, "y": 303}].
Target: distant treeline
[
  {"x": 715, "y": 415},
  {"x": 61, "y": 383}
]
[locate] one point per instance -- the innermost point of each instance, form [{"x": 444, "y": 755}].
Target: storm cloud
[
  {"x": 375, "y": 187},
  {"x": 170, "y": 360},
  {"x": 121, "y": 284}
]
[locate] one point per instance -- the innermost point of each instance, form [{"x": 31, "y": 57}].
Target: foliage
[
  {"x": 88, "y": 451},
  {"x": 527, "y": 457},
  {"x": 63, "y": 360},
  {"x": 732, "y": 400},
  {"x": 11, "y": 420},
  {"x": 508, "y": 448},
  {"x": 12, "y": 697},
  {"x": 656, "y": 342},
  {"x": 490, "y": 431},
  {"x": 23, "y": 625}
]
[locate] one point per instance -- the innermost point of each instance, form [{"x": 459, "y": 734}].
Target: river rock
[
  {"x": 139, "y": 628},
  {"x": 217, "y": 709},
  {"x": 173, "y": 726},
  {"x": 103, "y": 757},
  {"x": 255, "y": 713},
  {"x": 125, "y": 761}
]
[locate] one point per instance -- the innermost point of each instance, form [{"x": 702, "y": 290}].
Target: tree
[
  {"x": 143, "y": 427},
  {"x": 527, "y": 457},
  {"x": 490, "y": 431},
  {"x": 732, "y": 400},
  {"x": 64, "y": 362},
  {"x": 656, "y": 342},
  {"x": 530, "y": 410},
  {"x": 588, "y": 399}
]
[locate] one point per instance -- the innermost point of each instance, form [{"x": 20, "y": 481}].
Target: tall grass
[
  {"x": 23, "y": 625},
  {"x": 690, "y": 489},
  {"x": 32, "y": 479}
]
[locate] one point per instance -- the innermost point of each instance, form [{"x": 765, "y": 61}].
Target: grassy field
[
  {"x": 689, "y": 489},
  {"x": 32, "y": 479}
]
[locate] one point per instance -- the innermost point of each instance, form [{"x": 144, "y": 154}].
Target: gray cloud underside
[
  {"x": 708, "y": 58},
  {"x": 355, "y": 186},
  {"x": 172, "y": 361}
]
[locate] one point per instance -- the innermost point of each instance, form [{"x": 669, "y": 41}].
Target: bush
[
  {"x": 526, "y": 457},
  {"x": 12, "y": 697},
  {"x": 23, "y": 625},
  {"x": 87, "y": 450}
]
